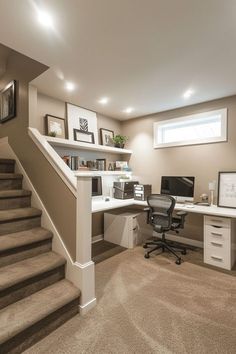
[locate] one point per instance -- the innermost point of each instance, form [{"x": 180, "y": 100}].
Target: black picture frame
[
  {"x": 8, "y": 102},
  {"x": 101, "y": 164},
  {"x": 229, "y": 187},
  {"x": 49, "y": 117},
  {"x": 110, "y": 134},
  {"x": 88, "y": 136}
]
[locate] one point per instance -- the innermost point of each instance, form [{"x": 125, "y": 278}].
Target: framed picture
[
  {"x": 81, "y": 119},
  {"x": 101, "y": 164},
  {"x": 55, "y": 126},
  {"x": 227, "y": 190},
  {"x": 8, "y": 102},
  {"x": 106, "y": 137},
  {"x": 84, "y": 137}
]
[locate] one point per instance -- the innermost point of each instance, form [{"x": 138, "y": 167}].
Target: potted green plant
[
  {"x": 53, "y": 134},
  {"x": 120, "y": 140}
]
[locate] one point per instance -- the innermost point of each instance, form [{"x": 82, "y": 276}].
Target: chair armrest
[
  {"x": 147, "y": 209},
  {"x": 182, "y": 214}
]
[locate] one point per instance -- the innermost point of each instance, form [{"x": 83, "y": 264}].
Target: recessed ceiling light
[
  {"x": 188, "y": 93},
  {"x": 70, "y": 86},
  {"x": 128, "y": 110},
  {"x": 104, "y": 100},
  {"x": 45, "y": 19}
]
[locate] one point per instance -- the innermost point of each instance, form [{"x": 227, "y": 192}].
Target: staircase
[{"x": 35, "y": 297}]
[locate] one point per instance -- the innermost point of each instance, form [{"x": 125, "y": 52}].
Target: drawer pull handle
[
  {"x": 216, "y": 244},
  {"x": 216, "y": 234},
  {"x": 217, "y": 226},
  {"x": 217, "y": 258},
  {"x": 216, "y": 220}
]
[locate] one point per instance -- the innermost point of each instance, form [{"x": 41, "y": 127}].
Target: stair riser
[
  {"x": 7, "y": 184},
  {"x": 30, "y": 286},
  {"x": 14, "y": 203},
  {"x": 20, "y": 253},
  {"x": 20, "y": 225},
  {"x": 39, "y": 330},
  {"x": 7, "y": 168}
]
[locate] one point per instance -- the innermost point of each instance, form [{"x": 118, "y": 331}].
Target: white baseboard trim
[
  {"x": 188, "y": 241},
  {"x": 97, "y": 238},
  {"x": 83, "y": 309}
]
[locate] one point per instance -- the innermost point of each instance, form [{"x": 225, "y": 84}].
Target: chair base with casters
[
  {"x": 163, "y": 245},
  {"x": 159, "y": 216}
]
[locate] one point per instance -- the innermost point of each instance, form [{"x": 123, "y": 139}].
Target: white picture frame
[
  {"x": 227, "y": 190},
  {"x": 81, "y": 119}
]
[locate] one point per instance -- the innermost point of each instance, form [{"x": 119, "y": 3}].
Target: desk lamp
[{"x": 212, "y": 188}]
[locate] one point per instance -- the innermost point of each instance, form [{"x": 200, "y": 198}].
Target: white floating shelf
[
  {"x": 85, "y": 146},
  {"x": 101, "y": 173}
]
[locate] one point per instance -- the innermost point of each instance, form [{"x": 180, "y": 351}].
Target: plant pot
[{"x": 119, "y": 145}]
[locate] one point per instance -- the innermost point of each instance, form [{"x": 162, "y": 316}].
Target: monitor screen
[
  {"x": 96, "y": 186},
  {"x": 182, "y": 187}
]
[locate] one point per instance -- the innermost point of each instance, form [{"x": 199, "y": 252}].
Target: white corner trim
[
  {"x": 97, "y": 238},
  {"x": 84, "y": 265},
  {"x": 54, "y": 159},
  {"x": 83, "y": 309}
]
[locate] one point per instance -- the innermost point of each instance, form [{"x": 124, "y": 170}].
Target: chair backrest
[{"x": 162, "y": 207}]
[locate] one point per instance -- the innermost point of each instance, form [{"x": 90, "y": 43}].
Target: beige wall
[
  {"x": 47, "y": 183},
  {"x": 202, "y": 161},
  {"x": 50, "y": 105}
]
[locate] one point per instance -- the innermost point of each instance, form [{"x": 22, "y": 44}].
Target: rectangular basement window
[{"x": 202, "y": 128}]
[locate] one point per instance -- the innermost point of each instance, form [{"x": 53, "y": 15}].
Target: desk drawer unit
[
  {"x": 122, "y": 229},
  {"x": 218, "y": 241}
]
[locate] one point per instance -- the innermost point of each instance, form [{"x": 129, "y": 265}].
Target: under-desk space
[{"x": 215, "y": 224}]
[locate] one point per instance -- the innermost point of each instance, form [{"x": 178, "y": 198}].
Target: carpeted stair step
[
  {"x": 26, "y": 277},
  {"x": 25, "y": 244},
  {"x": 7, "y": 166},
  {"x": 16, "y": 198},
  {"x": 15, "y": 220},
  {"x": 10, "y": 181},
  {"x": 27, "y": 321}
]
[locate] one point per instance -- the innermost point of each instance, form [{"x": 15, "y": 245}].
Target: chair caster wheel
[
  {"x": 146, "y": 255},
  {"x": 145, "y": 246},
  {"x": 184, "y": 252},
  {"x": 178, "y": 261}
]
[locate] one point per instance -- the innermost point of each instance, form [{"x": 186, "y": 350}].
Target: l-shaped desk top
[{"x": 99, "y": 204}]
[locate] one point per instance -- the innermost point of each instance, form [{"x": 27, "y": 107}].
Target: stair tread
[
  {"x": 7, "y": 161},
  {"x": 14, "y": 193},
  {"x": 24, "y": 313},
  {"x": 19, "y": 213},
  {"x": 23, "y": 238},
  {"x": 11, "y": 176},
  {"x": 17, "y": 272}
]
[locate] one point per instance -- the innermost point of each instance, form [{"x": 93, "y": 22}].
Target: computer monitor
[
  {"x": 96, "y": 186},
  {"x": 180, "y": 187}
]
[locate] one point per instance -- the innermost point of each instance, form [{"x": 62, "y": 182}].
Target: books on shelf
[{"x": 77, "y": 164}]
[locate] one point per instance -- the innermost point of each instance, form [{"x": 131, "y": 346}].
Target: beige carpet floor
[{"x": 153, "y": 306}]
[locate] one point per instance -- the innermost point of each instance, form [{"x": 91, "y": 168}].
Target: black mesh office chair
[{"x": 160, "y": 210}]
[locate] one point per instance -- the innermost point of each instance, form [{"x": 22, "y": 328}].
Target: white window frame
[{"x": 223, "y": 137}]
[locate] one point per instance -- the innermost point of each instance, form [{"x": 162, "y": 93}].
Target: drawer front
[
  {"x": 217, "y": 257},
  {"x": 217, "y": 221},
  {"x": 217, "y": 234}
]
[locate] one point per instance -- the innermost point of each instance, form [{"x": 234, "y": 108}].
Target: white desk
[
  {"x": 219, "y": 229},
  {"x": 99, "y": 204}
]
